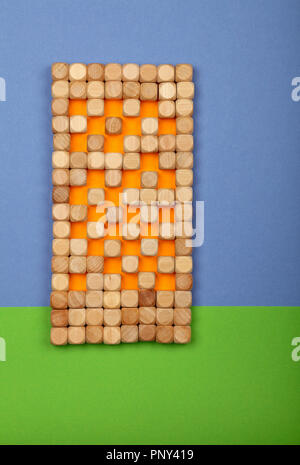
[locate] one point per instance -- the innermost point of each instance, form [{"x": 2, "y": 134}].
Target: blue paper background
[{"x": 247, "y": 132}]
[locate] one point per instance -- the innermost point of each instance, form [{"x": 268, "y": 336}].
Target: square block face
[{"x": 122, "y": 192}]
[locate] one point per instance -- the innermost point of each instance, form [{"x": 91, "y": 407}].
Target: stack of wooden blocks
[{"x": 122, "y": 203}]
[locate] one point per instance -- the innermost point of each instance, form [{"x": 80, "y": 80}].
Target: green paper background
[{"x": 235, "y": 383}]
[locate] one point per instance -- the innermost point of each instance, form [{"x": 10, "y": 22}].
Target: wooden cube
[
  {"x": 165, "y": 73},
  {"x": 183, "y": 299},
  {"x": 78, "y": 213},
  {"x": 148, "y": 91},
  {"x": 149, "y": 126},
  {"x": 77, "y": 72},
  {"x": 114, "y": 215},
  {"x": 130, "y": 196},
  {"x": 95, "y": 107},
  {"x": 113, "y": 161},
  {"x": 95, "y": 161},
  {"x": 184, "y": 160},
  {"x": 166, "y": 143},
  {"x": 112, "y": 282},
  {"x": 61, "y": 142},
  {"x": 130, "y": 316},
  {"x": 78, "y": 90},
  {"x": 182, "y": 247},
  {"x": 60, "y": 106},
  {"x": 184, "y": 178},
  {"x": 78, "y": 177},
  {"x": 60, "y": 159},
  {"x": 148, "y": 196},
  {"x": 149, "y": 179},
  {"x": 78, "y": 160},
  {"x": 147, "y": 298},
  {"x": 167, "y": 91},
  {"x": 61, "y": 247},
  {"x": 149, "y": 247},
  {"x": 113, "y": 125},
  {"x": 166, "y": 160},
  {"x": 95, "y": 89},
  {"x": 164, "y": 299},
  {"x": 148, "y": 214},
  {"x": 129, "y": 333},
  {"x": 112, "y": 248},
  {"x": 131, "y": 161},
  {"x": 112, "y": 317},
  {"x": 184, "y": 107},
  {"x": 166, "y": 196},
  {"x": 60, "y": 194},
  {"x": 164, "y": 316},
  {"x": 129, "y": 298},
  {"x": 78, "y": 247},
  {"x": 111, "y": 299},
  {"x": 113, "y": 90},
  {"x": 95, "y": 229},
  {"x": 184, "y": 229},
  {"x": 96, "y": 196},
  {"x": 94, "y": 316},
  {"x": 132, "y": 143},
  {"x": 112, "y": 335},
  {"x": 113, "y": 178},
  {"x": 76, "y": 335},
  {"x": 94, "y": 298},
  {"x": 77, "y": 264},
  {"x": 147, "y": 332},
  {"x": 147, "y": 315},
  {"x": 60, "y": 264},
  {"x": 183, "y": 264},
  {"x": 184, "y": 143},
  {"x": 60, "y": 177},
  {"x": 60, "y": 89},
  {"x": 94, "y": 281},
  {"x": 183, "y": 281},
  {"x": 165, "y": 264},
  {"x": 165, "y": 334},
  {"x": 182, "y": 316},
  {"x": 146, "y": 280},
  {"x": 184, "y": 125},
  {"x": 59, "y": 336},
  {"x": 130, "y": 264},
  {"x": 94, "y": 334},
  {"x": 167, "y": 231},
  {"x": 182, "y": 334},
  {"x": 59, "y": 300},
  {"x": 95, "y": 143},
  {"x": 77, "y": 317},
  {"x": 185, "y": 90},
  {"x": 59, "y": 318},
  {"x": 130, "y": 72},
  {"x": 184, "y": 194},
  {"x": 94, "y": 264},
  {"x": 131, "y": 90},
  {"x": 148, "y": 73},
  {"x": 149, "y": 144},
  {"x": 59, "y": 71},
  {"x": 130, "y": 231},
  {"x": 113, "y": 72},
  {"x": 60, "y": 124},
  {"x": 184, "y": 211},
  {"x": 95, "y": 71},
  {"x": 166, "y": 109},
  {"x": 131, "y": 107},
  {"x": 61, "y": 229},
  {"x": 60, "y": 282},
  {"x": 61, "y": 211},
  {"x": 183, "y": 72},
  {"x": 76, "y": 299}
]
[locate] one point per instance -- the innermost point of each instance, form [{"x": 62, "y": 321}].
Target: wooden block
[
  {"x": 167, "y": 231},
  {"x": 165, "y": 334},
  {"x": 184, "y": 72},
  {"x": 60, "y": 282},
  {"x": 94, "y": 264},
  {"x": 184, "y": 211},
  {"x": 130, "y": 196},
  {"x": 165, "y": 73},
  {"x": 78, "y": 90},
  {"x": 130, "y": 72},
  {"x": 165, "y": 264},
  {"x": 166, "y": 109},
  {"x": 149, "y": 247},
  {"x": 96, "y": 196},
  {"x": 78, "y": 213},
  {"x": 184, "y": 194},
  {"x": 182, "y": 334},
  {"x": 60, "y": 159},
  {"x": 61, "y": 247},
  {"x": 94, "y": 298},
  {"x": 131, "y": 107},
  {"x": 112, "y": 248},
  {"x": 183, "y": 264},
  {"x": 60, "y": 106},
  {"x": 113, "y": 161},
  {"x": 167, "y": 91},
  {"x": 166, "y": 196},
  {"x": 149, "y": 144},
  {"x": 129, "y": 333},
  {"x": 60, "y": 89},
  {"x": 112, "y": 282},
  {"x": 61, "y": 211},
  {"x": 112, "y": 317},
  {"x": 149, "y": 179},
  {"x": 77, "y": 72},
  {"x": 166, "y": 143},
  {"x": 95, "y": 89},
  {"x": 113, "y": 178},
  {"x": 95, "y": 107},
  {"x": 78, "y": 124},
  {"x": 184, "y": 125},
  {"x": 147, "y": 332},
  {"x": 130, "y": 263},
  {"x": 94, "y": 334},
  {"x": 76, "y": 335},
  {"x": 60, "y": 177},
  {"x": 148, "y": 73},
  {"x": 61, "y": 142},
  {"x": 184, "y": 178},
  {"x": 184, "y": 143},
  {"x": 60, "y": 124},
  {"x": 76, "y": 299},
  {"x": 131, "y": 161},
  {"x": 60, "y": 194},
  {"x": 112, "y": 335},
  {"x": 96, "y": 160},
  {"x": 60, "y": 264},
  {"x": 164, "y": 299},
  {"x": 164, "y": 316},
  {"x": 131, "y": 90},
  {"x": 182, "y": 247},
  {"x": 77, "y": 317},
  {"x": 130, "y": 231},
  {"x": 148, "y": 213},
  {"x": 94, "y": 316},
  {"x": 113, "y": 125},
  {"x": 78, "y": 177},
  {"x": 183, "y": 281},
  {"x": 59, "y": 300},
  {"x": 113, "y": 90},
  {"x": 61, "y": 229},
  {"x": 148, "y": 196},
  {"x": 111, "y": 299},
  {"x": 95, "y": 143},
  {"x": 147, "y": 315},
  {"x": 147, "y": 298},
  {"x": 59, "y": 336},
  {"x": 129, "y": 298},
  {"x": 130, "y": 316},
  {"x": 113, "y": 72},
  {"x": 78, "y": 247},
  {"x": 95, "y": 71},
  {"x": 114, "y": 214},
  {"x": 146, "y": 280},
  {"x": 148, "y": 91},
  {"x": 182, "y": 316},
  {"x": 185, "y": 90},
  {"x": 132, "y": 143},
  {"x": 166, "y": 160},
  {"x": 78, "y": 160},
  {"x": 95, "y": 229},
  {"x": 184, "y": 229},
  {"x": 184, "y": 107},
  {"x": 149, "y": 126},
  {"x": 59, "y": 318},
  {"x": 77, "y": 264},
  {"x": 94, "y": 281},
  {"x": 59, "y": 71},
  {"x": 183, "y": 299},
  {"x": 184, "y": 160}
]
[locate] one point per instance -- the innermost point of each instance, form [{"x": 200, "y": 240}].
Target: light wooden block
[
  {"x": 149, "y": 144},
  {"x": 184, "y": 160},
  {"x": 185, "y": 90},
  {"x": 78, "y": 160},
  {"x": 60, "y": 177},
  {"x": 164, "y": 316},
  {"x": 167, "y": 91},
  {"x": 59, "y": 71},
  {"x": 146, "y": 280},
  {"x": 61, "y": 142},
  {"x": 95, "y": 160},
  {"x": 76, "y": 299},
  {"x": 129, "y": 333},
  {"x": 165, "y": 264},
  {"x": 166, "y": 196},
  {"x": 112, "y": 282},
  {"x": 77, "y": 72},
  {"x": 129, "y": 298},
  {"x": 59, "y": 336},
  {"x": 131, "y": 90},
  {"x": 59, "y": 264},
  {"x": 94, "y": 281},
  {"x": 167, "y": 231},
  {"x": 130, "y": 72},
  {"x": 130, "y": 196},
  {"x": 130, "y": 231},
  {"x": 78, "y": 177},
  {"x": 131, "y": 161},
  {"x": 147, "y": 297},
  {"x": 182, "y": 334},
  {"x": 95, "y": 229},
  {"x": 111, "y": 299},
  {"x": 164, "y": 299},
  {"x": 148, "y": 73},
  {"x": 61, "y": 211},
  {"x": 78, "y": 124},
  {"x": 184, "y": 211},
  {"x": 59, "y": 300},
  {"x": 165, "y": 334},
  {"x": 149, "y": 126},
  {"x": 94, "y": 334},
  {"x": 95, "y": 107},
  {"x": 130, "y": 264},
  {"x": 76, "y": 335},
  {"x": 184, "y": 107},
  {"x": 166, "y": 160},
  {"x": 183, "y": 299},
  {"x": 78, "y": 90},
  {"x": 149, "y": 247},
  {"x": 61, "y": 229},
  {"x": 113, "y": 178},
  {"x": 113, "y": 90},
  {"x": 149, "y": 179},
  {"x": 113, "y": 125},
  {"x": 184, "y": 229},
  {"x": 182, "y": 316},
  {"x": 94, "y": 264},
  {"x": 130, "y": 316},
  {"x": 94, "y": 299},
  {"x": 60, "y": 159},
  {"x": 113, "y": 161},
  {"x": 166, "y": 109},
  {"x": 60, "y": 107},
  {"x": 94, "y": 316},
  {"x": 96, "y": 196},
  {"x": 184, "y": 125},
  {"x": 183, "y": 72},
  {"x": 112, "y": 317},
  {"x": 78, "y": 213},
  {"x": 182, "y": 247},
  {"x": 184, "y": 178},
  {"x": 77, "y": 317},
  {"x": 183, "y": 281},
  {"x": 147, "y": 332},
  {"x": 148, "y": 196},
  {"x": 112, "y": 335},
  {"x": 184, "y": 143},
  {"x": 183, "y": 264},
  {"x": 60, "y": 282},
  {"x": 95, "y": 71},
  {"x": 148, "y": 91},
  {"x": 95, "y": 89},
  {"x": 60, "y": 89},
  {"x": 184, "y": 194},
  {"x": 148, "y": 213},
  {"x": 77, "y": 264},
  {"x": 131, "y": 107},
  {"x": 113, "y": 72},
  {"x": 60, "y": 124},
  {"x": 60, "y": 194},
  {"x": 132, "y": 143},
  {"x": 147, "y": 315},
  {"x": 165, "y": 73},
  {"x": 166, "y": 143},
  {"x": 95, "y": 143},
  {"x": 112, "y": 248},
  {"x": 78, "y": 247},
  {"x": 59, "y": 318}
]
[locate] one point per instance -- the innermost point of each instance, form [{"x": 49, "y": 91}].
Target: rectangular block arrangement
[{"x": 122, "y": 203}]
